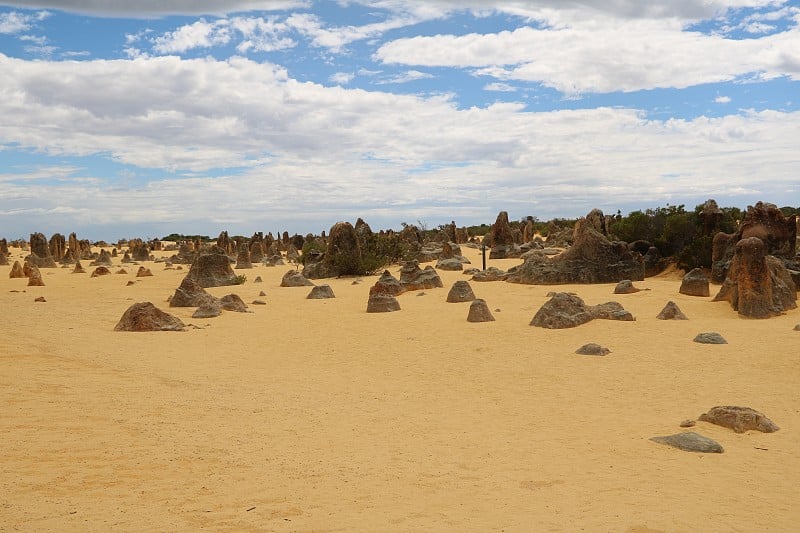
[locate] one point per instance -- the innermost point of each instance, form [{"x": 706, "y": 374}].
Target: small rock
[
  {"x": 382, "y": 303},
  {"x": 262, "y": 293},
  {"x": 232, "y": 302},
  {"x": 479, "y": 311},
  {"x": 461, "y": 291},
  {"x": 259, "y": 302},
  {"x": 690, "y": 442},
  {"x": 40, "y": 299},
  {"x": 689, "y": 423},
  {"x": 210, "y": 309},
  {"x": 797, "y": 327},
  {"x": 625, "y": 287},
  {"x": 130, "y": 282},
  {"x": 671, "y": 311},
  {"x": 258, "y": 280},
  {"x": 321, "y": 292},
  {"x": 710, "y": 338},
  {"x": 592, "y": 349},
  {"x": 739, "y": 419}
]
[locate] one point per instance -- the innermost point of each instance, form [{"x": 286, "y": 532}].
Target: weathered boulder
[
  {"x": 104, "y": 259},
  {"x": 413, "y": 278},
  {"x": 690, "y": 441},
  {"x": 501, "y": 239},
  {"x": 461, "y": 291},
  {"x": 35, "y": 277},
  {"x": 757, "y": 285},
  {"x": 739, "y": 419},
  {"x": 382, "y": 303},
  {"x": 232, "y": 302},
  {"x": 565, "y": 310},
  {"x": 100, "y": 271},
  {"x": 145, "y": 316},
  {"x": 143, "y": 272},
  {"x": 694, "y": 283},
  {"x": 321, "y": 292},
  {"x": 212, "y": 268},
  {"x": 479, "y": 311},
  {"x": 490, "y": 274},
  {"x": 16, "y": 271},
  {"x": 294, "y": 278},
  {"x": 591, "y": 259},
  {"x": 764, "y": 221},
  {"x": 451, "y": 264},
  {"x": 139, "y": 250},
  {"x": 210, "y": 309},
  {"x": 243, "y": 257},
  {"x": 343, "y": 253},
  {"x": 40, "y": 252},
  {"x": 710, "y": 337},
  {"x": 592, "y": 349},
  {"x": 625, "y": 287},
  {"x": 387, "y": 284},
  {"x": 671, "y": 311},
  {"x": 190, "y": 294}
]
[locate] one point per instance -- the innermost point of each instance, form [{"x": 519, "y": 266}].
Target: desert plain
[{"x": 312, "y": 415}]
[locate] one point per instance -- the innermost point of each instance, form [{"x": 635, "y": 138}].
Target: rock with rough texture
[
  {"x": 592, "y": 349},
  {"x": 739, "y": 419},
  {"x": 294, "y": 278},
  {"x": 565, "y": 310},
  {"x": 490, "y": 274},
  {"x": 451, "y": 264},
  {"x": 232, "y": 302},
  {"x": 413, "y": 278},
  {"x": 694, "y": 283},
  {"x": 382, "y": 303},
  {"x": 143, "y": 272},
  {"x": 710, "y": 337},
  {"x": 190, "y": 294},
  {"x": 690, "y": 441},
  {"x": 671, "y": 311},
  {"x": 40, "y": 252},
  {"x": 757, "y": 285},
  {"x": 342, "y": 255},
  {"x": 104, "y": 259},
  {"x": 3, "y": 258},
  {"x": 35, "y": 277},
  {"x": 387, "y": 284},
  {"x": 461, "y": 291},
  {"x": 100, "y": 271},
  {"x": 625, "y": 287},
  {"x": 764, "y": 221},
  {"x": 16, "y": 271},
  {"x": 212, "y": 268},
  {"x": 321, "y": 292},
  {"x": 591, "y": 259},
  {"x": 501, "y": 238},
  {"x": 479, "y": 311},
  {"x": 243, "y": 256},
  {"x": 210, "y": 309},
  {"x": 145, "y": 316}
]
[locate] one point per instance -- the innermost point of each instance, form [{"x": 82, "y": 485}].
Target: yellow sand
[{"x": 311, "y": 415}]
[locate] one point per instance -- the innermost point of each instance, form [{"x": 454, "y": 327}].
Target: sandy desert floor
[{"x": 312, "y": 415}]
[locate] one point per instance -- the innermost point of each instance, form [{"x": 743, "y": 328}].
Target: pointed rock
[
  {"x": 479, "y": 311},
  {"x": 145, "y": 316},
  {"x": 671, "y": 311}
]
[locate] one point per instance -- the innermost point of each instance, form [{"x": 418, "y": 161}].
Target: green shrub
[{"x": 240, "y": 279}]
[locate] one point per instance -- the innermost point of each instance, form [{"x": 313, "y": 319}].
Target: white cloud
[
  {"x": 405, "y": 77},
  {"x": 342, "y": 78},
  {"x": 200, "y": 34},
  {"x": 604, "y": 55},
  {"x": 14, "y": 22},
  {"x": 359, "y": 152},
  {"x": 499, "y": 87},
  {"x": 722, "y": 99}
]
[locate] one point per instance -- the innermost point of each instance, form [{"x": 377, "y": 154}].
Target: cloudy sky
[{"x": 195, "y": 116}]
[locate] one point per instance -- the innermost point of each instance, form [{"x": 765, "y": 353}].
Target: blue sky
[{"x": 197, "y": 116}]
